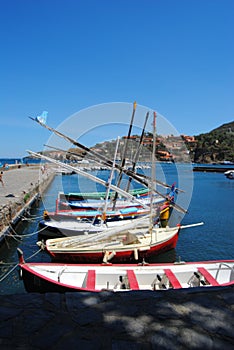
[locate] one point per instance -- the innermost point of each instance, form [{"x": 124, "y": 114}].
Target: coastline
[{"x": 212, "y": 168}]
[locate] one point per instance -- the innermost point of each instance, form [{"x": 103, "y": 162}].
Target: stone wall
[{"x": 11, "y": 212}]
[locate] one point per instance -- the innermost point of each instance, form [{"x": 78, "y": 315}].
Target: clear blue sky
[{"x": 63, "y": 56}]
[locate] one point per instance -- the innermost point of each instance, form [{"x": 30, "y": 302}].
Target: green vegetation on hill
[{"x": 215, "y": 146}]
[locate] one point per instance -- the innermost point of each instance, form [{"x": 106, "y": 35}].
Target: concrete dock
[
  {"x": 212, "y": 169},
  {"x": 173, "y": 319},
  {"x": 22, "y": 186}
]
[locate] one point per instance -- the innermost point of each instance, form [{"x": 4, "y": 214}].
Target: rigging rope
[
  {"x": 15, "y": 234},
  {"x": 16, "y": 265}
]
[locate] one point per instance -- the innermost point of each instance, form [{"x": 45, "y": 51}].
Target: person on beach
[{"x": 1, "y": 179}]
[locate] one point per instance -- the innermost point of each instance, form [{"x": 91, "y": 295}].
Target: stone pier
[
  {"x": 200, "y": 318},
  {"x": 22, "y": 186}
]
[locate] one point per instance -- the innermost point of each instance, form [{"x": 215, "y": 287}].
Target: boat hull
[
  {"x": 229, "y": 174},
  {"x": 69, "y": 228},
  {"x": 34, "y": 283},
  {"x": 61, "y": 278},
  {"x": 121, "y": 256},
  {"x": 124, "y": 213},
  {"x": 142, "y": 192}
]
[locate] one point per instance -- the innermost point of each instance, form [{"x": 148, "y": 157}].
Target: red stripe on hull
[{"x": 124, "y": 256}]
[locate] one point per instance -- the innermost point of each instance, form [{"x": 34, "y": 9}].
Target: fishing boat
[
  {"x": 128, "y": 212},
  {"x": 72, "y": 217},
  {"x": 69, "y": 201},
  {"x": 229, "y": 174},
  {"x": 124, "y": 244},
  {"x": 60, "y": 278},
  {"x": 74, "y": 227},
  {"x": 81, "y": 196},
  {"x": 66, "y": 223},
  {"x": 95, "y": 217},
  {"x": 123, "y": 208}
]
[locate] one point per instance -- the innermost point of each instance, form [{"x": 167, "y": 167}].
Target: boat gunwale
[{"x": 29, "y": 268}]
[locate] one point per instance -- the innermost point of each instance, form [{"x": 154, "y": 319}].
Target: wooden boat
[
  {"x": 123, "y": 244},
  {"x": 69, "y": 228},
  {"x": 80, "y": 196},
  {"x": 90, "y": 218},
  {"x": 52, "y": 277},
  {"x": 128, "y": 213},
  {"x": 69, "y": 202}
]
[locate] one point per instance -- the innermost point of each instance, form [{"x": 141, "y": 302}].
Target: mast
[
  {"x": 153, "y": 172},
  {"x": 136, "y": 156},
  {"x": 124, "y": 154},
  {"x": 110, "y": 181}
]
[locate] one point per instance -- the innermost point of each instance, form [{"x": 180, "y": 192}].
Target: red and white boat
[
  {"x": 53, "y": 277},
  {"x": 123, "y": 244}
]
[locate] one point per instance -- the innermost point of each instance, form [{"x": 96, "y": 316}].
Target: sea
[
  {"x": 207, "y": 197},
  {"x": 11, "y": 161}
]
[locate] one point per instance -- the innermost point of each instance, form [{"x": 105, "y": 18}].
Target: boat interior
[{"x": 143, "y": 279}]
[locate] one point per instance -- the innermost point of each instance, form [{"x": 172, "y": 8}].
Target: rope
[
  {"x": 26, "y": 234},
  {"x": 16, "y": 265},
  {"x": 31, "y": 256},
  {"x": 15, "y": 234},
  {"x": 8, "y": 273}
]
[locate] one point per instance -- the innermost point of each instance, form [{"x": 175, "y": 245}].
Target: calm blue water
[
  {"x": 211, "y": 202},
  {"x": 11, "y": 161}
]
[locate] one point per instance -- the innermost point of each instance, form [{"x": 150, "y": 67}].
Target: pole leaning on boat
[
  {"x": 89, "y": 176},
  {"x": 107, "y": 161}
]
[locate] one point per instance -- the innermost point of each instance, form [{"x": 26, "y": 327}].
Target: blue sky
[{"x": 64, "y": 56}]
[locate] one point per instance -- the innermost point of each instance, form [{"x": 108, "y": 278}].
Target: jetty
[
  {"x": 22, "y": 187},
  {"x": 174, "y": 319},
  {"x": 212, "y": 169}
]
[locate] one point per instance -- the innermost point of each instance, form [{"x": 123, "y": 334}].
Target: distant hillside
[{"x": 215, "y": 146}]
